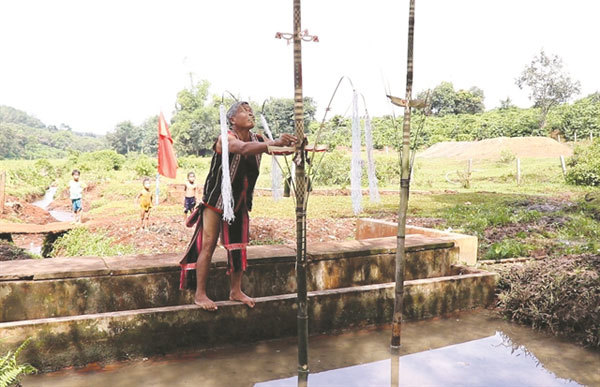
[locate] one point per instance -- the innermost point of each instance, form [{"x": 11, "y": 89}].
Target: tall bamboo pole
[
  {"x": 404, "y": 188},
  {"x": 300, "y": 200}
]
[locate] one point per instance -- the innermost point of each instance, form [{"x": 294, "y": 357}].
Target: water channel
[
  {"x": 44, "y": 203},
  {"x": 470, "y": 349}
]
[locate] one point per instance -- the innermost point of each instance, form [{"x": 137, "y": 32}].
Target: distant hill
[{"x": 23, "y": 136}]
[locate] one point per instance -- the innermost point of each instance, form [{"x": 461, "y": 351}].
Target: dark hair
[
  {"x": 145, "y": 179},
  {"x": 75, "y": 171},
  {"x": 190, "y": 173}
]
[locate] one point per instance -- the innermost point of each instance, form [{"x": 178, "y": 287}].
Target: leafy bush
[
  {"x": 560, "y": 294},
  {"x": 584, "y": 166},
  {"x": 10, "y": 370},
  {"x": 103, "y": 160},
  {"x": 82, "y": 242},
  {"x": 507, "y": 156},
  {"x": 32, "y": 178},
  {"x": 143, "y": 165}
]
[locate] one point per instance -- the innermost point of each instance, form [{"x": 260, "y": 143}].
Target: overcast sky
[{"x": 91, "y": 64}]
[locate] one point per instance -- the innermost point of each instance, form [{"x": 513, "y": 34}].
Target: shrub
[
  {"x": 145, "y": 166},
  {"x": 103, "y": 160},
  {"x": 584, "y": 165},
  {"x": 561, "y": 295},
  {"x": 507, "y": 156}
]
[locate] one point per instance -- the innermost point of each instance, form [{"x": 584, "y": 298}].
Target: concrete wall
[
  {"x": 375, "y": 228},
  {"x": 78, "y": 340},
  {"x": 128, "y": 284}
]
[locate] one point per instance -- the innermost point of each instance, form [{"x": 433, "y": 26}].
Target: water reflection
[
  {"x": 472, "y": 349},
  {"x": 492, "y": 361}
]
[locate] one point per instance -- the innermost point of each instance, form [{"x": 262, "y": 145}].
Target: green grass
[
  {"x": 82, "y": 242},
  {"x": 493, "y": 201}
]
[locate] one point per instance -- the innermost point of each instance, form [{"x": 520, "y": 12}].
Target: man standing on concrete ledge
[{"x": 245, "y": 149}]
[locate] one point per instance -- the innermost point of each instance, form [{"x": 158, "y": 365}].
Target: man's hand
[{"x": 285, "y": 140}]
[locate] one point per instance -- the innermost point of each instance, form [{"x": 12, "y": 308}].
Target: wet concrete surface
[{"x": 471, "y": 348}]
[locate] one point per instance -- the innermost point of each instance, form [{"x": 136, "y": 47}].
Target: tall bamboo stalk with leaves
[{"x": 404, "y": 187}]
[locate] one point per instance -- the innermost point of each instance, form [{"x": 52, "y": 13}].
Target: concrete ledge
[
  {"x": 375, "y": 228},
  {"x": 78, "y": 340},
  {"x": 148, "y": 282}
]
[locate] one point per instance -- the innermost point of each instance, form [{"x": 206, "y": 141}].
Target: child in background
[
  {"x": 145, "y": 199},
  {"x": 190, "y": 194},
  {"x": 75, "y": 193}
]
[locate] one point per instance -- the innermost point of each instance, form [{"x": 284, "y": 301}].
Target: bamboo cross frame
[{"x": 300, "y": 187}]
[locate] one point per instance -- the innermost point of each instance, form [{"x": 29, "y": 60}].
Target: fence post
[
  {"x": 575, "y": 139},
  {"x": 518, "y": 171},
  {"x": 562, "y": 164},
  {"x": 2, "y": 191},
  {"x": 591, "y": 136}
]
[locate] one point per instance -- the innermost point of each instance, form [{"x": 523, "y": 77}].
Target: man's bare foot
[
  {"x": 205, "y": 303},
  {"x": 242, "y": 297}
]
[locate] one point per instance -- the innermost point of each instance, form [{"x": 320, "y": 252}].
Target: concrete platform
[
  {"x": 78, "y": 340},
  {"x": 71, "y": 286}
]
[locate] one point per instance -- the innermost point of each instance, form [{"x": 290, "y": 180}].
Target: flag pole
[{"x": 157, "y": 188}]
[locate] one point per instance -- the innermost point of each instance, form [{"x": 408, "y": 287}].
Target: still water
[{"x": 470, "y": 349}]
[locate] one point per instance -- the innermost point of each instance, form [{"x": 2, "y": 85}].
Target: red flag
[{"x": 167, "y": 163}]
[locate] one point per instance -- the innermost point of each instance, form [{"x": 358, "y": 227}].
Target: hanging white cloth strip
[
  {"x": 355, "y": 167},
  {"x": 226, "y": 193},
  {"x": 276, "y": 188},
  {"x": 373, "y": 190}
]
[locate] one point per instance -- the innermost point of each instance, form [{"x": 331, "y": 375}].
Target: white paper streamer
[
  {"x": 373, "y": 190},
  {"x": 276, "y": 188},
  {"x": 355, "y": 167},
  {"x": 226, "y": 193}
]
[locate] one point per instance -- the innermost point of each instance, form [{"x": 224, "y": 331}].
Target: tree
[
  {"x": 125, "y": 138},
  {"x": 506, "y": 104},
  {"x": 548, "y": 83},
  {"x": 195, "y": 124},
  {"x": 149, "y": 128},
  {"x": 279, "y": 113},
  {"x": 445, "y": 100}
]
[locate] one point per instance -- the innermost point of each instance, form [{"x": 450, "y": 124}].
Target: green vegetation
[
  {"x": 11, "y": 370},
  {"x": 25, "y": 137},
  {"x": 561, "y": 295},
  {"x": 584, "y": 166},
  {"x": 82, "y": 242}
]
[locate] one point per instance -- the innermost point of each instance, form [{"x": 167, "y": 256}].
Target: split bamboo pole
[
  {"x": 404, "y": 188},
  {"x": 299, "y": 160}
]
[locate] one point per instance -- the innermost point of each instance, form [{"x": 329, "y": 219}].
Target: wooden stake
[
  {"x": 563, "y": 165},
  {"x": 404, "y": 189},
  {"x": 301, "y": 197},
  {"x": 575, "y": 137},
  {"x": 558, "y": 137},
  {"x": 2, "y": 191},
  {"x": 518, "y": 171},
  {"x": 591, "y": 137}
]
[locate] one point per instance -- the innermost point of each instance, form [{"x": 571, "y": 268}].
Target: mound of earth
[{"x": 491, "y": 149}]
